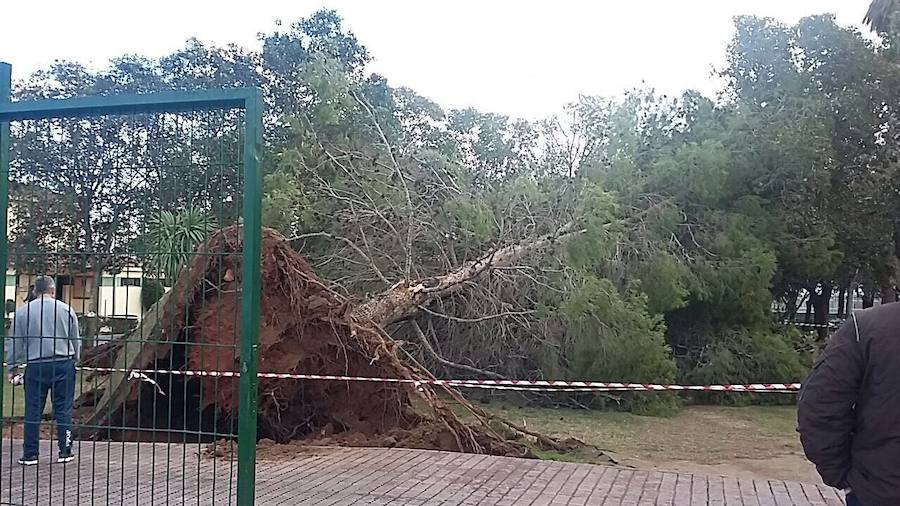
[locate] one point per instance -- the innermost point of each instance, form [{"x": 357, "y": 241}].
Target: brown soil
[
  {"x": 425, "y": 436},
  {"x": 304, "y": 328}
]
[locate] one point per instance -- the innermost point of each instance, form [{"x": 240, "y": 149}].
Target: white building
[{"x": 120, "y": 294}]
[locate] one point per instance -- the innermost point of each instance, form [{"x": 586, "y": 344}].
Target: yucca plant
[
  {"x": 880, "y": 13},
  {"x": 172, "y": 237}
]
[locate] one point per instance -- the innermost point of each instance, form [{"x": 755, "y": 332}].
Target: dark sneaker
[
  {"x": 28, "y": 461},
  {"x": 65, "y": 456}
]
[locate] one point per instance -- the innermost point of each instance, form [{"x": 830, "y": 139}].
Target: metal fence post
[
  {"x": 250, "y": 294},
  {"x": 5, "y": 147}
]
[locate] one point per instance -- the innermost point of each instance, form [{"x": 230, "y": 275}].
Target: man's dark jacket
[{"x": 849, "y": 407}]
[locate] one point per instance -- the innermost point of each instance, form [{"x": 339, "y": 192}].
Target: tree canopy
[{"x": 685, "y": 217}]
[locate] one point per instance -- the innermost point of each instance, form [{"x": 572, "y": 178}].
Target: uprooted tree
[
  {"x": 684, "y": 218},
  {"x": 305, "y": 328}
]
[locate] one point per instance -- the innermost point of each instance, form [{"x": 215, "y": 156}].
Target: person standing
[
  {"x": 849, "y": 408},
  {"x": 44, "y": 337}
]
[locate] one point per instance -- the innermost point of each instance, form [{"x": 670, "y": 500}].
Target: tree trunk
[
  {"x": 791, "y": 305},
  {"x": 92, "y": 318},
  {"x": 852, "y": 293},
  {"x": 820, "y": 303},
  {"x": 96, "y": 276},
  {"x": 309, "y": 312},
  {"x": 842, "y": 302},
  {"x": 868, "y": 298},
  {"x": 92, "y": 327},
  {"x": 402, "y": 300}
]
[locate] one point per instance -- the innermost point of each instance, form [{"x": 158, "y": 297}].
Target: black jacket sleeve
[{"x": 826, "y": 405}]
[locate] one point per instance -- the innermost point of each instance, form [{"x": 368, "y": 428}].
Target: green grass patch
[
  {"x": 700, "y": 434},
  {"x": 13, "y": 399}
]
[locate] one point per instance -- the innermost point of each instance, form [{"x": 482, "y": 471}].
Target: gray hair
[{"x": 44, "y": 285}]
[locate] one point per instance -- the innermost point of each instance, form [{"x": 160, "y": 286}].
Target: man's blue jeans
[
  {"x": 852, "y": 500},
  {"x": 57, "y": 376}
]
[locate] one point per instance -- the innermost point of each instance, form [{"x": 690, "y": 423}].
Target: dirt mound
[{"x": 304, "y": 328}]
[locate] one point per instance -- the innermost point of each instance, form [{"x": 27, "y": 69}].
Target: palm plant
[
  {"x": 172, "y": 237},
  {"x": 879, "y": 15}
]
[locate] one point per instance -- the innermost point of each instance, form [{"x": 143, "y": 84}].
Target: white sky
[{"x": 521, "y": 58}]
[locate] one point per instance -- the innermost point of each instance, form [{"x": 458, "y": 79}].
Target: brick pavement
[{"x": 156, "y": 473}]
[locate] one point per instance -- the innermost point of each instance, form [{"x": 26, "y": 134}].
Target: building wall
[
  {"x": 11, "y": 288},
  {"x": 120, "y": 294}
]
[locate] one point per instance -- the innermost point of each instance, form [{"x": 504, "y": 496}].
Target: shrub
[
  {"x": 614, "y": 338},
  {"x": 741, "y": 355}
]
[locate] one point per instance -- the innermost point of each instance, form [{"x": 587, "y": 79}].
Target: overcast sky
[{"x": 521, "y": 58}]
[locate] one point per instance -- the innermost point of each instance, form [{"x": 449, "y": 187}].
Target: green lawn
[
  {"x": 701, "y": 434},
  {"x": 755, "y": 441},
  {"x": 13, "y": 399}
]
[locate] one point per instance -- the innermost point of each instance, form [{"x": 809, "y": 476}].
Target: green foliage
[
  {"x": 666, "y": 282},
  {"x": 472, "y": 218},
  {"x": 734, "y": 284},
  {"x": 151, "y": 291},
  {"x": 280, "y": 207},
  {"x": 172, "y": 237},
  {"x": 695, "y": 173},
  {"x": 747, "y": 355},
  {"x": 614, "y": 336},
  {"x": 596, "y": 213},
  {"x": 751, "y": 356},
  {"x": 670, "y": 223}
]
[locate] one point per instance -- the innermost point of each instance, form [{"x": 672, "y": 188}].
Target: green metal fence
[{"x": 123, "y": 200}]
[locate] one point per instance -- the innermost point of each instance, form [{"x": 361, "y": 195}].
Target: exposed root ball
[{"x": 304, "y": 328}]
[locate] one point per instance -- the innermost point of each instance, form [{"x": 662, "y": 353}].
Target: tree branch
[
  {"x": 387, "y": 145},
  {"x": 403, "y": 299},
  {"x": 348, "y": 242},
  {"x": 441, "y": 360},
  {"x": 476, "y": 320}
]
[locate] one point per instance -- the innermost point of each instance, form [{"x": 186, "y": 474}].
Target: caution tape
[
  {"x": 519, "y": 385},
  {"x": 832, "y": 325}
]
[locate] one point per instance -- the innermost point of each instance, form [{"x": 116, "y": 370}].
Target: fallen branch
[
  {"x": 426, "y": 343},
  {"x": 475, "y": 320},
  {"x": 348, "y": 242},
  {"x": 403, "y": 299}
]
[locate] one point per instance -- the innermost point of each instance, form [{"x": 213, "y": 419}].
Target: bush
[
  {"x": 742, "y": 355},
  {"x": 614, "y": 338},
  {"x": 151, "y": 291}
]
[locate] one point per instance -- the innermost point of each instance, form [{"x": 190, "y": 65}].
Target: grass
[
  {"x": 13, "y": 399},
  {"x": 698, "y": 434}
]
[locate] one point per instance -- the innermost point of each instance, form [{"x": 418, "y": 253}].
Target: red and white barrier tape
[
  {"x": 833, "y": 325},
  {"x": 520, "y": 385}
]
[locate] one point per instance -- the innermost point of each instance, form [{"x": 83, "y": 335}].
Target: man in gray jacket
[{"x": 44, "y": 337}]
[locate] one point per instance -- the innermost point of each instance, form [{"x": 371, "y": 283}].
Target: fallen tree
[
  {"x": 405, "y": 299},
  {"x": 305, "y": 327}
]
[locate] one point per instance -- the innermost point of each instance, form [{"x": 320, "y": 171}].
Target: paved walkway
[{"x": 147, "y": 473}]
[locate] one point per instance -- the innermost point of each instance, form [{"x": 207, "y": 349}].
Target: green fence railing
[{"x": 144, "y": 212}]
